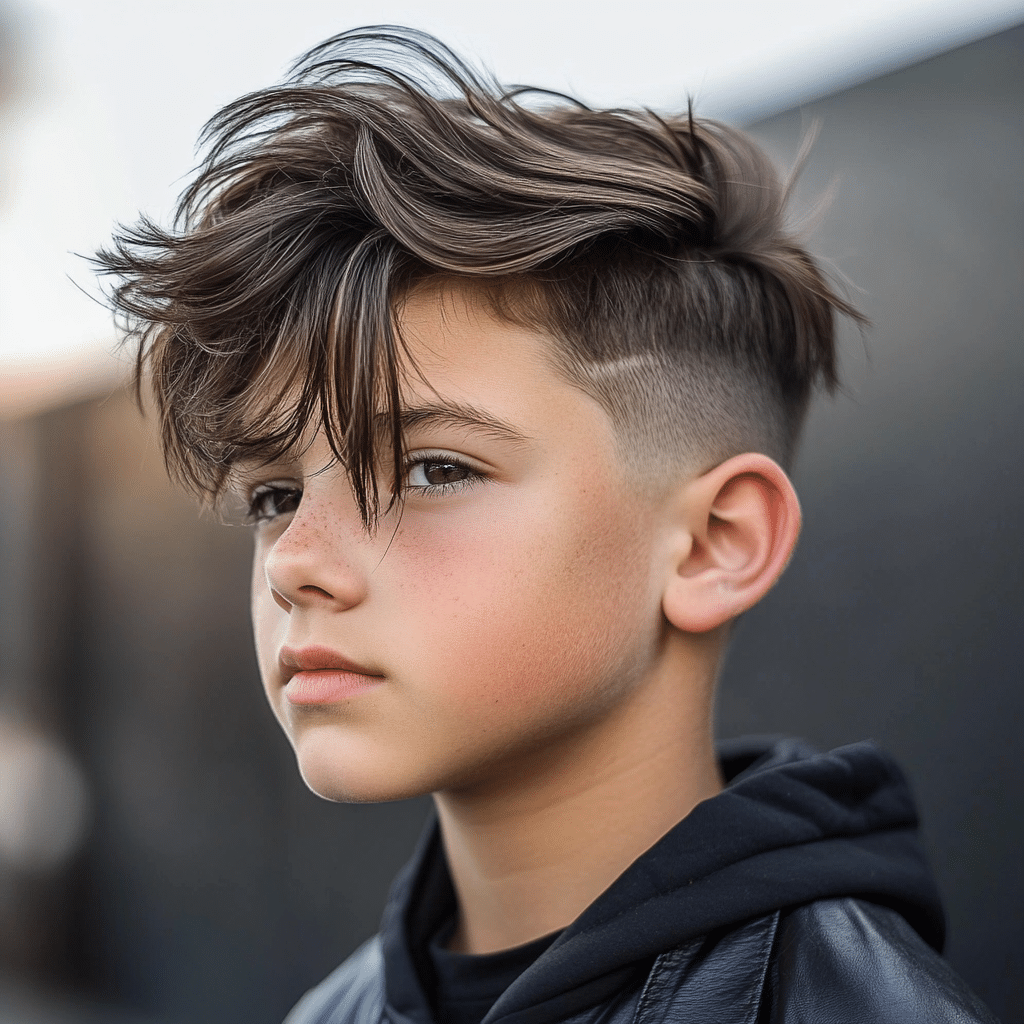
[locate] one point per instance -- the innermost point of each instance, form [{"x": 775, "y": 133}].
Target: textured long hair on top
[{"x": 651, "y": 249}]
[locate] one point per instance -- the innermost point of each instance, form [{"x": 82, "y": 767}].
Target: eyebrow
[{"x": 455, "y": 414}]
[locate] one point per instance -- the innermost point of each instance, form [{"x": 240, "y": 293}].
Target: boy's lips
[
  {"x": 316, "y": 657},
  {"x": 319, "y": 675}
]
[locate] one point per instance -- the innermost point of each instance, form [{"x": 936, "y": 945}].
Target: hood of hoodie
[{"x": 792, "y": 826}]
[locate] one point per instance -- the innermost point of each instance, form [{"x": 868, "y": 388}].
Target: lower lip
[{"x": 328, "y": 686}]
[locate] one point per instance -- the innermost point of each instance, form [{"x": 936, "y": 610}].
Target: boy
[{"x": 509, "y": 389}]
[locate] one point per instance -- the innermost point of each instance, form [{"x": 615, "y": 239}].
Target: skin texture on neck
[{"x": 529, "y": 857}]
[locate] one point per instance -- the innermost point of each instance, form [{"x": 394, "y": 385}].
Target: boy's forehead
[
  {"x": 464, "y": 367},
  {"x": 457, "y": 345},
  {"x": 473, "y": 368}
]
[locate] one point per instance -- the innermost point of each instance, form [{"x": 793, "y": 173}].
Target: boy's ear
[{"x": 735, "y": 531}]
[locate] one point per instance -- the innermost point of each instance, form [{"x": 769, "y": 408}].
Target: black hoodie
[{"x": 791, "y": 827}]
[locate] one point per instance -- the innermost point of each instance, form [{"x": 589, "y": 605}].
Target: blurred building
[{"x": 158, "y": 852}]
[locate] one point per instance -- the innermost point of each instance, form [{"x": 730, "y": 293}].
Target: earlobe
[{"x": 737, "y": 527}]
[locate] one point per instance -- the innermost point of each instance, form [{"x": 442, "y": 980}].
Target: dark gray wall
[{"x": 214, "y": 888}]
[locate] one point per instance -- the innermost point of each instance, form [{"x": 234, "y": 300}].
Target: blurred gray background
[{"x": 180, "y": 872}]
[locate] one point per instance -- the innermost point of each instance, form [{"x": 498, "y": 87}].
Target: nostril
[{"x": 310, "y": 588}]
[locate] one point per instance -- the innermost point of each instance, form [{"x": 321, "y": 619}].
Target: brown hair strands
[{"x": 652, "y": 249}]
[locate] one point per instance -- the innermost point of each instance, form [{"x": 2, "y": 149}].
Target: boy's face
[{"x": 512, "y": 605}]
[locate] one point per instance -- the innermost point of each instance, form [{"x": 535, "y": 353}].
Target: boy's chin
[{"x": 340, "y": 769}]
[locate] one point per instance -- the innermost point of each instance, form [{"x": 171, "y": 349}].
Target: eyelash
[
  {"x": 256, "y": 513},
  {"x": 256, "y": 516},
  {"x": 470, "y": 477}
]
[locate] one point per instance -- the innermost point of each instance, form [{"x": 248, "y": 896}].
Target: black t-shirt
[{"x": 466, "y": 986}]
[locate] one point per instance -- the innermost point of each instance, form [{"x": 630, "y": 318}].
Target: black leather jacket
[
  {"x": 691, "y": 933},
  {"x": 838, "y": 961}
]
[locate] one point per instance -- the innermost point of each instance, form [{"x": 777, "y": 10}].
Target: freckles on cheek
[
  {"x": 443, "y": 578},
  {"x": 458, "y": 594}
]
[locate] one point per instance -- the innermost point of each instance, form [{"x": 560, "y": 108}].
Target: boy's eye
[
  {"x": 438, "y": 474},
  {"x": 268, "y": 501}
]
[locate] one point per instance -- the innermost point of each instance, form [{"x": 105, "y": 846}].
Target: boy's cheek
[
  {"x": 269, "y": 627},
  {"x": 545, "y": 594}
]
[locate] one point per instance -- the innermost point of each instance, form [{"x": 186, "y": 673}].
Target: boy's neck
[{"x": 530, "y": 852}]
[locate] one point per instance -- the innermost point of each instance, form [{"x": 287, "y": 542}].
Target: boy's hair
[{"x": 651, "y": 249}]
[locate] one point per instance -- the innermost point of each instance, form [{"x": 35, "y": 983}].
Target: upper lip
[{"x": 308, "y": 659}]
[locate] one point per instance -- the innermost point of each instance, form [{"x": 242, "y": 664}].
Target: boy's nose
[{"x": 319, "y": 560}]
